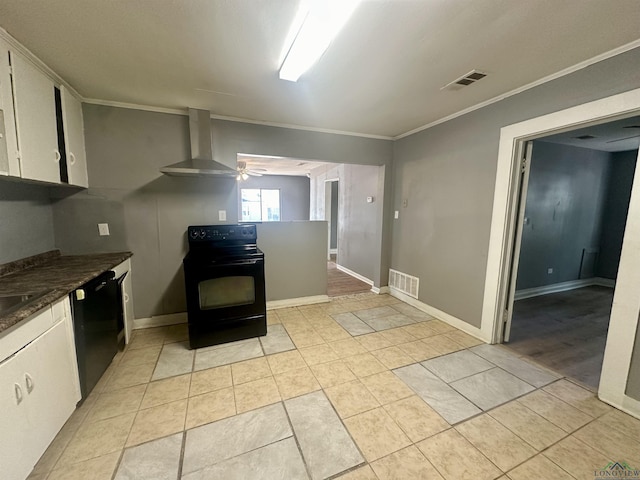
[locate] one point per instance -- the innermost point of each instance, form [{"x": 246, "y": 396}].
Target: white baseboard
[
  {"x": 380, "y": 290},
  {"x": 354, "y": 274},
  {"x": 440, "y": 315},
  {"x": 563, "y": 287},
  {"x": 160, "y": 320},
  {"x": 176, "y": 318},
  {"x": 296, "y": 302},
  {"x": 621, "y": 402}
]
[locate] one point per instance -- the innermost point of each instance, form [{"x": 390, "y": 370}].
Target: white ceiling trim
[
  {"x": 548, "y": 78},
  {"x": 39, "y": 64},
  {"x": 299, "y": 127},
  {"x": 179, "y": 111},
  {"x": 135, "y": 106}
]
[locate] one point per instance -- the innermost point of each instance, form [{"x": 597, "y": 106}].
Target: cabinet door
[
  {"x": 38, "y": 393},
  {"x": 74, "y": 138},
  {"x": 35, "y": 111},
  {"x": 48, "y": 378},
  {"x": 9, "y": 143},
  {"x": 17, "y": 457}
]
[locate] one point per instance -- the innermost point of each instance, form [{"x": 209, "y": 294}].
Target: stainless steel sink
[{"x": 13, "y": 302}]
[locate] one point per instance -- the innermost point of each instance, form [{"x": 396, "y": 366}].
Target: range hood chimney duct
[{"x": 201, "y": 163}]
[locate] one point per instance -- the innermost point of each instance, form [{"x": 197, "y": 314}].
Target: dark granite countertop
[{"x": 50, "y": 276}]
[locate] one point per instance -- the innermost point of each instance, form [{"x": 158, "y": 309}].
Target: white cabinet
[
  {"x": 38, "y": 392},
  {"x": 74, "y": 138},
  {"x": 8, "y": 143},
  {"x": 35, "y": 123},
  {"x": 35, "y": 112}
]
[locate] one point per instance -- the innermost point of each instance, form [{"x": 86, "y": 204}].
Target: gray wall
[
  {"x": 564, "y": 211},
  {"x": 623, "y": 168},
  {"x": 295, "y": 258},
  {"x": 447, "y": 175},
  {"x": 148, "y": 212},
  {"x": 360, "y": 227},
  {"x": 294, "y": 194},
  {"x": 26, "y": 220}
]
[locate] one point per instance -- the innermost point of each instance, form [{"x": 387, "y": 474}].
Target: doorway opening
[{"x": 575, "y": 193}]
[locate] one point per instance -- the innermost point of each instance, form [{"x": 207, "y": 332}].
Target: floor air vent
[{"x": 403, "y": 282}]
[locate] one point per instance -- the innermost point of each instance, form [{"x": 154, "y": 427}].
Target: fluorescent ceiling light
[{"x": 314, "y": 27}]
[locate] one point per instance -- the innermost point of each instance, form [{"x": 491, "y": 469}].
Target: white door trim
[{"x": 617, "y": 360}]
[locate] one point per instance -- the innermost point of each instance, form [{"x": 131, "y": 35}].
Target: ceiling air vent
[
  {"x": 585, "y": 137},
  {"x": 471, "y": 77}
]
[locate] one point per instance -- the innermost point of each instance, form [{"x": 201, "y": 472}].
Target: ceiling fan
[{"x": 244, "y": 173}]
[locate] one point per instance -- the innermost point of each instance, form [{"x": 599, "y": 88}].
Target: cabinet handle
[
  {"x": 28, "y": 381},
  {"x": 18, "y": 392},
  {"x": 58, "y": 157},
  {"x": 72, "y": 158}
]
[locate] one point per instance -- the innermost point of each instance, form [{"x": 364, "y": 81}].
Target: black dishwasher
[{"x": 95, "y": 323}]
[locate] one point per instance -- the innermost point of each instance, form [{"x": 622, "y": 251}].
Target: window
[{"x": 260, "y": 205}]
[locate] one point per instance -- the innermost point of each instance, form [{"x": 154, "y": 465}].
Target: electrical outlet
[
  {"x": 549, "y": 271},
  {"x": 103, "y": 229},
  {"x": 222, "y": 215},
  {"x": 405, "y": 202}
]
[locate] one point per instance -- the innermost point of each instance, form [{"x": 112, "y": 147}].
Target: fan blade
[{"x": 253, "y": 174}]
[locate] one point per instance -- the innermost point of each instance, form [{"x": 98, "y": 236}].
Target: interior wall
[
  {"x": 297, "y": 267},
  {"x": 148, "y": 212},
  {"x": 26, "y": 220},
  {"x": 564, "y": 213},
  {"x": 447, "y": 173},
  {"x": 623, "y": 166},
  {"x": 294, "y": 195},
  {"x": 359, "y": 222}
]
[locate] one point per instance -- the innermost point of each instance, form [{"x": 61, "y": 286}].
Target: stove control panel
[{"x": 216, "y": 233}]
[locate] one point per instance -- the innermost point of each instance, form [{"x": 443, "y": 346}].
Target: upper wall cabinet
[
  {"x": 8, "y": 143},
  {"x": 41, "y": 125},
  {"x": 35, "y": 111},
  {"x": 73, "y": 126}
]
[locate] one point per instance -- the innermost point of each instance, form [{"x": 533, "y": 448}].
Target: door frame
[
  {"x": 624, "y": 315},
  {"x": 328, "y": 207}
]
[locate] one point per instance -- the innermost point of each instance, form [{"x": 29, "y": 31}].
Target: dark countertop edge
[
  {"x": 14, "y": 318},
  {"x": 28, "y": 262}
]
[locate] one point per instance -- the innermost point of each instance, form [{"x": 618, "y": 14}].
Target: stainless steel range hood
[{"x": 202, "y": 163}]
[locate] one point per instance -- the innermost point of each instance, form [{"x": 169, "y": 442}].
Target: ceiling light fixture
[{"x": 316, "y": 24}]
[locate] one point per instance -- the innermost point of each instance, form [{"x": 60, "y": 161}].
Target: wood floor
[
  {"x": 339, "y": 283},
  {"x": 564, "y": 331}
]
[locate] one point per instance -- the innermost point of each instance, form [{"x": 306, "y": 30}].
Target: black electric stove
[{"x": 224, "y": 281}]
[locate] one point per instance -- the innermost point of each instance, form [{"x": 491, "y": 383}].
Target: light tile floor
[{"x": 361, "y": 388}]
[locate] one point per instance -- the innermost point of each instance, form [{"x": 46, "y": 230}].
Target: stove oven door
[{"x": 220, "y": 295}]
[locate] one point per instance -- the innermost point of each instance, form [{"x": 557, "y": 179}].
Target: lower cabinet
[{"x": 38, "y": 393}]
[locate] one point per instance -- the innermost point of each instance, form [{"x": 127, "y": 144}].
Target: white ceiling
[
  {"x": 381, "y": 76},
  {"x": 617, "y": 136},
  {"x": 267, "y": 165}
]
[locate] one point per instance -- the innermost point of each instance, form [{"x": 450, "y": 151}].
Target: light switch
[
  {"x": 222, "y": 215},
  {"x": 396, "y": 215},
  {"x": 369, "y": 199},
  {"x": 103, "y": 229}
]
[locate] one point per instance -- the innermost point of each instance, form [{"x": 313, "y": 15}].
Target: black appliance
[
  {"x": 95, "y": 324},
  {"x": 224, "y": 281}
]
